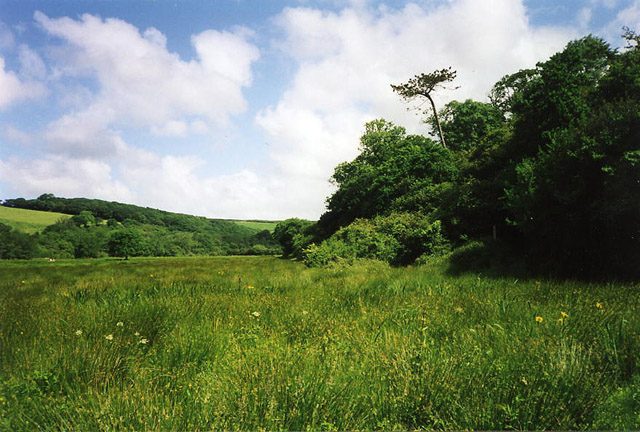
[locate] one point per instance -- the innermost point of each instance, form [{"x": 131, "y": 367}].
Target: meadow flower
[
  {"x": 109, "y": 337},
  {"x": 599, "y": 305},
  {"x": 250, "y": 287},
  {"x": 564, "y": 314},
  {"x": 78, "y": 332},
  {"x": 255, "y": 314},
  {"x": 539, "y": 319},
  {"x": 136, "y": 334},
  {"x": 144, "y": 341},
  {"x": 304, "y": 312},
  {"x": 120, "y": 324}
]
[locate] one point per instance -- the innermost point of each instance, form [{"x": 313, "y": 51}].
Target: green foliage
[
  {"x": 551, "y": 167},
  {"x": 398, "y": 238},
  {"x": 390, "y": 167},
  {"x": 14, "y": 244},
  {"x": 126, "y": 243},
  {"x": 294, "y": 235},
  {"x": 573, "y": 175},
  {"x": 165, "y": 234}
]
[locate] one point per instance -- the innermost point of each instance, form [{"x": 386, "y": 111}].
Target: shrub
[{"x": 398, "y": 239}]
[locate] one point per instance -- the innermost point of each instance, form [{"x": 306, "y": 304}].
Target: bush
[{"x": 398, "y": 239}]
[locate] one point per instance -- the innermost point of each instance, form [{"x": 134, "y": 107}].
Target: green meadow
[
  {"x": 29, "y": 221},
  {"x": 254, "y": 343},
  {"x": 258, "y": 225}
]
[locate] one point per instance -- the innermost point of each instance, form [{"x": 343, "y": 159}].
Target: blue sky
[{"x": 237, "y": 108}]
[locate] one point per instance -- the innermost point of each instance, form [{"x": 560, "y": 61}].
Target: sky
[{"x": 242, "y": 109}]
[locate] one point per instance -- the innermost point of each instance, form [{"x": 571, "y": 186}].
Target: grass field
[
  {"x": 28, "y": 221},
  {"x": 250, "y": 343},
  {"x": 258, "y": 225}
]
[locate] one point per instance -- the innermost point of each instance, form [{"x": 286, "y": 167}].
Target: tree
[
  {"x": 293, "y": 235},
  {"x": 572, "y": 187},
  {"x": 422, "y": 85},
  {"x": 84, "y": 218},
  {"x": 126, "y": 243},
  {"x": 391, "y": 166}
]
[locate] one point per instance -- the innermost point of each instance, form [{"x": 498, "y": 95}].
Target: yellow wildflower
[
  {"x": 250, "y": 287},
  {"x": 78, "y": 332},
  {"x": 120, "y": 324},
  {"x": 144, "y": 341},
  {"x": 109, "y": 337},
  {"x": 256, "y": 314},
  {"x": 564, "y": 314},
  {"x": 539, "y": 319},
  {"x": 599, "y": 305}
]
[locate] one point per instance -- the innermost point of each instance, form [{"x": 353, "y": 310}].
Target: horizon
[{"x": 239, "y": 112}]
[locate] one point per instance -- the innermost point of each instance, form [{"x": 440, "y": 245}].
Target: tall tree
[{"x": 423, "y": 85}]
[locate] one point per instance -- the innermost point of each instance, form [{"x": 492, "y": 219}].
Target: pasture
[
  {"x": 250, "y": 343},
  {"x": 29, "y": 221}
]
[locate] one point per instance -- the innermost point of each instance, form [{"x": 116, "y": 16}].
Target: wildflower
[
  {"x": 250, "y": 287},
  {"x": 564, "y": 314},
  {"x": 136, "y": 334},
  {"x": 256, "y": 314},
  {"x": 144, "y": 341},
  {"x": 539, "y": 319},
  {"x": 109, "y": 337},
  {"x": 599, "y": 305},
  {"x": 304, "y": 312},
  {"x": 560, "y": 320},
  {"x": 78, "y": 332},
  {"x": 120, "y": 324}
]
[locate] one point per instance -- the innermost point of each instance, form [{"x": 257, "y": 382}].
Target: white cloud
[
  {"x": 18, "y": 136},
  {"x": 143, "y": 84},
  {"x": 31, "y": 65},
  {"x": 628, "y": 17},
  {"x": 6, "y": 36},
  {"x": 347, "y": 61},
  {"x": 64, "y": 177},
  {"x": 14, "y": 90}
]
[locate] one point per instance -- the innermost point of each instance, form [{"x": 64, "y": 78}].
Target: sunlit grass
[
  {"x": 246, "y": 343},
  {"x": 29, "y": 221}
]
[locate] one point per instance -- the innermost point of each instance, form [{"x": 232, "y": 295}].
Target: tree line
[
  {"x": 544, "y": 176},
  {"x": 101, "y": 228}
]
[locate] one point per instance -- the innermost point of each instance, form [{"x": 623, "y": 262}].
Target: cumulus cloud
[
  {"x": 628, "y": 17},
  {"x": 348, "y": 59},
  {"x": 141, "y": 83},
  {"x": 6, "y": 36},
  {"x": 65, "y": 177},
  {"x": 18, "y": 136},
  {"x": 14, "y": 90}
]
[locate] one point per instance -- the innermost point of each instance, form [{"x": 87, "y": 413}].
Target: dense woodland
[
  {"x": 544, "y": 178},
  {"x": 102, "y": 228}
]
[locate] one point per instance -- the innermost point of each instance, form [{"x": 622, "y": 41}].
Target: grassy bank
[
  {"x": 29, "y": 221},
  {"x": 262, "y": 343}
]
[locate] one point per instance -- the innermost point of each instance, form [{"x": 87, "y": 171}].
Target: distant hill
[
  {"x": 29, "y": 221},
  {"x": 83, "y": 227}
]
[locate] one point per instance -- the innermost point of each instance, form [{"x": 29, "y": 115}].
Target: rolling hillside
[{"x": 29, "y": 221}]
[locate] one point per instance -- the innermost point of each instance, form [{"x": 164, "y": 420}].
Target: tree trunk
[{"x": 435, "y": 114}]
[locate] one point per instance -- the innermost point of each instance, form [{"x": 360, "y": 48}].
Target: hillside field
[
  {"x": 29, "y": 221},
  {"x": 248, "y": 343}
]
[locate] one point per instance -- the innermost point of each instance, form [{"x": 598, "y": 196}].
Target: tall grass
[{"x": 262, "y": 343}]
